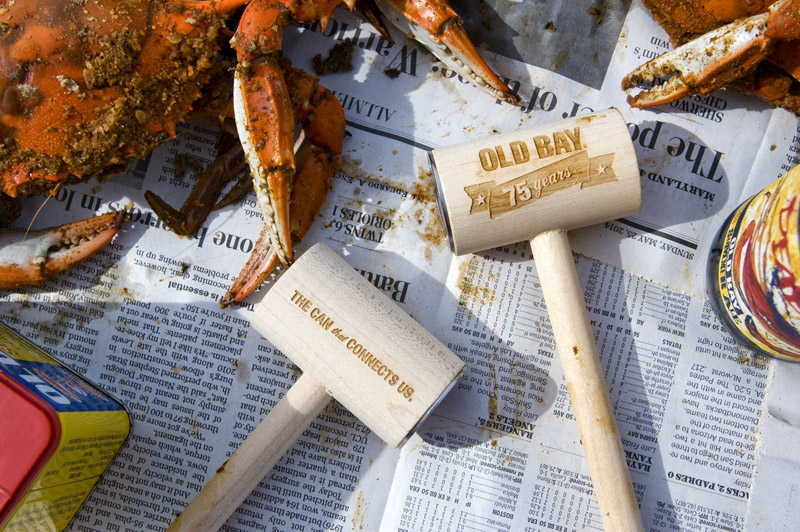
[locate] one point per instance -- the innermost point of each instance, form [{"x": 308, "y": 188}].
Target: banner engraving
[{"x": 578, "y": 169}]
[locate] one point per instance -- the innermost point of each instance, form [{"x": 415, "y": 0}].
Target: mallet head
[
  {"x": 370, "y": 355},
  {"x": 507, "y": 188}
]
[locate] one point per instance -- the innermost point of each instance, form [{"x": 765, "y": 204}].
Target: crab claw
[
  {"x": 315, "y": 168},
  {"x": 704, "y": 64},
  {"x": 269, "y": 96},
  {"x": 31, "y": 258},
  {"x": 434, "y": 24}
]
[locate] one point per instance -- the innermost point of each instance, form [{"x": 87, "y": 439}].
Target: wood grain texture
[
  {"x": 536, "y": 184},
  {"x": 373, "y": 357},
  {"x": 586, "y": 383},
  {"x": 506, "y": 188},
  {"x": 352, "y": 342}
]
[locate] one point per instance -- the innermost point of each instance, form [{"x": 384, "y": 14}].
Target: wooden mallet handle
[
  {"x": 585, "y": 381},
  {"x": 254, "y": 458}
]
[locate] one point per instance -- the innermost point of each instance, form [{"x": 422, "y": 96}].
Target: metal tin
[
  {"x": 58, "y": 434},
  {"x": 754, "y": 270}
]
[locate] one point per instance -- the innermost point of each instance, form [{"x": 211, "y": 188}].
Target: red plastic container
[{"x": 58, "y": 434}]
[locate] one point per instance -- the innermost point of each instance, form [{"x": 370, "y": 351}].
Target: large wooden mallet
[
  {"x": 351, "y": 342},
  {"x": 536, "y": 185}
]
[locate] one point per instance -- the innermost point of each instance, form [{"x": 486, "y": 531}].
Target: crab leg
[
  {"x": 203, "y": 197},
  {"x": 716, "y": 58},
  {"x": 434, "y": 24},
  {"x": 31, "y": 258}
]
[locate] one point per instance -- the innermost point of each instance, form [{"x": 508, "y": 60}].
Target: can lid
[{"x": 30, "y": 432}]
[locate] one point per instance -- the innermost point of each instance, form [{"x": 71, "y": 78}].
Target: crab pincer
[
  {"x": 439, "y": 28},
  {"x": 266, "y": 108},
  {"x": 30, "y": 258},
  {"x": 714, "y": 59},
  {"x": 266, "y": 113},
  {"x": 77, "y": 104},
  {"x": 314, "y": 171}
]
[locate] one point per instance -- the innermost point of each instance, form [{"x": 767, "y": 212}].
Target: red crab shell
[{"x": 88, "y": 86}]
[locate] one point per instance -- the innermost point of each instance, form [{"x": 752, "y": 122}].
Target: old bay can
[
  {"x": 754, "y": 270},
  {"x": 58, "y": 434}
]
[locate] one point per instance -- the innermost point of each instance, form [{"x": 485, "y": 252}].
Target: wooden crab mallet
[
  {"x": 536, "y": 185},
  {"x": 353, "y": 343}
]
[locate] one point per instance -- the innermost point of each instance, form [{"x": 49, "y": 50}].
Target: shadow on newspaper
[{"x": 575, "y": 39}]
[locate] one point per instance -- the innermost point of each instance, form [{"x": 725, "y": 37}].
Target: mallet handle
[
  {"x": 254, "y": 458},
  {"x": 586, "y": 382}
]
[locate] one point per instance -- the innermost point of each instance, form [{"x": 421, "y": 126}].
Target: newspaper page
[
  {"x": 774, "y": 492},
  {"x": 142, "y": 317},
  {"x": 687, "y": 397},
  {"x": 773, "y": 497}
]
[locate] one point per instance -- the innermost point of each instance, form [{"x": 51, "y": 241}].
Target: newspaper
[
  {"x": 502, "y": 452},
  {"x": 773, "y": 497}
]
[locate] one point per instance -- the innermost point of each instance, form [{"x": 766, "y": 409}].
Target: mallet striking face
[
  {"x": 353, "y": 343},
  {"x": 535, "y": 185}
]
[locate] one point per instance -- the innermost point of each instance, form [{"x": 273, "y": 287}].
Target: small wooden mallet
[
  {"x": 536, "y": 185},
  {"x": 351, "y": 342}
]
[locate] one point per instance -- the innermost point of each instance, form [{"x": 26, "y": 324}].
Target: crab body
[
  {"x": 89, "y": 86},
  {"x": 750, "y": 45}
]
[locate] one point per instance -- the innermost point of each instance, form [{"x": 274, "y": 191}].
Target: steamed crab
[
  {"x": 88, "y": 86},
  {"x": 750, "y": 45}
]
